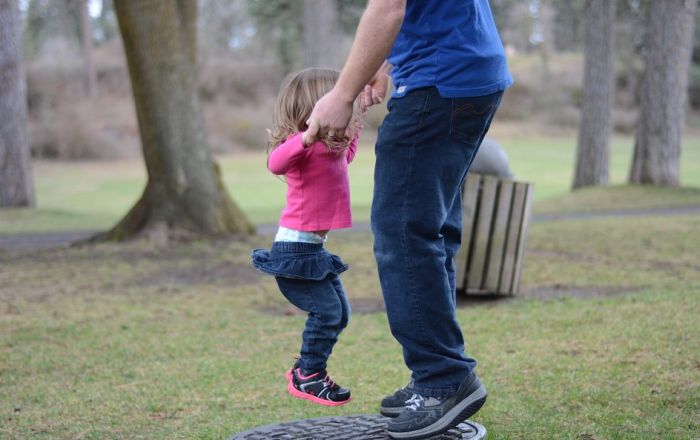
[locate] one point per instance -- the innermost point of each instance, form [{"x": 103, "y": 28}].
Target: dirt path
[
  {"x": 41, "y": 240},
  {"x": 47, "y": 240},
  {"x": 621, "y": 213}
]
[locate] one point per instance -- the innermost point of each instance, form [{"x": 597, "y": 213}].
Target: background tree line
[{"x": 236, "y": 52}]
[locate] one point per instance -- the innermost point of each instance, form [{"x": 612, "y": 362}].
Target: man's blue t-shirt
[{"x": 450, "y": 44}]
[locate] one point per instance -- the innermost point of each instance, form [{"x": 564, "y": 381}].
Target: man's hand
[
  {"x": 377, "y": 88},
  {"x": 329, "y": 118},
  {"x": 332, "y": 113}
]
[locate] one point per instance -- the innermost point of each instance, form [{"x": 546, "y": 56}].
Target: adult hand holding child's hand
[
  {"x": 332, "y": 113},
  {"x": 329, "y": 118}
]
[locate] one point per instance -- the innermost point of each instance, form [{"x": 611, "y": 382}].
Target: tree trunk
[
  {"x": 16, "y": 188},
  {"x": 184, "y": 192},
  {"x": 320, "y": 31},
  {"x": 86, "y": 45},
  {"x": 566, "y": 26},
  {"x": 664, "y": 91},
  {"x": 592, "y": 165}
]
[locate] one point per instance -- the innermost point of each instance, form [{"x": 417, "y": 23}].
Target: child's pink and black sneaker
[{"x": 317, "y": 387}]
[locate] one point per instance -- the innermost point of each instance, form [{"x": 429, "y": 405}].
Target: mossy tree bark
[
  {"x": 184, "y": 193},
  {"x": 664, "y": 92}
]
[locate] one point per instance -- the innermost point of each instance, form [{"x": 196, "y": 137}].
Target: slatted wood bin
[{"x": 495, "y": 216}]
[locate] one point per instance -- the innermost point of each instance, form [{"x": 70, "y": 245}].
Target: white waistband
[{"x": 287, "y": 234}]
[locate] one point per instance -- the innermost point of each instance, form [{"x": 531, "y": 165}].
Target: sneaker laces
[
  {"x": 414, "y": 402},
  {"x": 328, "y": 382}
]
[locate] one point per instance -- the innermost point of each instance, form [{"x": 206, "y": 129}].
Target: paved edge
[{"x": 48, "y": 240}]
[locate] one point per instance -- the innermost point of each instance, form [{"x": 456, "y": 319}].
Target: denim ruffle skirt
[{"x": 307, "y": 261}]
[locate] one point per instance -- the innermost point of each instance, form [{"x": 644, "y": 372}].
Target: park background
[{"x": 178, "y": 337}]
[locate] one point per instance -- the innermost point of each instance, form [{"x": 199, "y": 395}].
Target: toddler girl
[{"x": 318, "y": 200}]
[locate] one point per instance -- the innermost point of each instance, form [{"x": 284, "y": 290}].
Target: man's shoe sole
[
  {"x": 390, "y": 412},
  {"x": 459, "y": 413}
]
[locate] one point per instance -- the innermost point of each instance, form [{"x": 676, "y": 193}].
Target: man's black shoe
[
  {"x": 392, "y": 406},
  {"x": 427, "y": 416}
]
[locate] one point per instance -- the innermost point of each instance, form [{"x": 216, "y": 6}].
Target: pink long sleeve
[
  {"x": 287, "y": 154},
  {"x": 318, "y": 187},
  {"x": 352, "y": 148}
]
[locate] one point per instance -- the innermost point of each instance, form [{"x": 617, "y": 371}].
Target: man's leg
[
  {"x": 421, "y": 162},
  {"x": 452, "y": 236},
  {"x": 452, "y": 228}
]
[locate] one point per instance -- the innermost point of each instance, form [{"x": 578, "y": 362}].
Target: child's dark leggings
[
  {"x": 328, "y": 313},
  {"x": 307, "y": 275}
]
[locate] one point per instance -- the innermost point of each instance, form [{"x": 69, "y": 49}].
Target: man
[{"x": 449, "y": 72}]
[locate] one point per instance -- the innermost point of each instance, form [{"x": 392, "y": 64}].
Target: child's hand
[
  {"x": 377, "y": 88},
  {"x": 334, "y": 144},
  {"x": 307, "y": 139}
]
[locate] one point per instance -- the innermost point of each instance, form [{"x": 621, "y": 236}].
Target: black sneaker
[
  {"x": 317, "y": 387},
  {"x": 427, "y": 416},
  {"x": 392, "y": 406}
]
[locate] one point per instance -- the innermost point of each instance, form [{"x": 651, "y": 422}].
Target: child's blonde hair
[{"x": 298, "y": 94}]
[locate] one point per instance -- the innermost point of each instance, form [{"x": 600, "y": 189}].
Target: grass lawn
[
  {"x": 94, "y": 195},
  {"x": 134, "y": 341},
  {"x": 131, "y": 341}
]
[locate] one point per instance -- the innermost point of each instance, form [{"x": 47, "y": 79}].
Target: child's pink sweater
[{"x": 318, "y": 188}]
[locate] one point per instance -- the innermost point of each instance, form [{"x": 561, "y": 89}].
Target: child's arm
[
  {"x": 352, "y": 147},
  {"x": 287, "y": 154}
]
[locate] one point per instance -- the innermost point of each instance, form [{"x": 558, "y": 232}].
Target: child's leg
[
  {"x": 325, "y": 315},
  {"x": 345, "y": 306}
]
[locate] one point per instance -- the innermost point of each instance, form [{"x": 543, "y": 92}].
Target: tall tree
[
  {"x": 567, "y": 23},
  {"x": 184, "y": 192},
  {"x": 308, "y": 31},
  {"x": 279, "y": 21},
  {"x": 694, "y": 88},
  {"x": 663, "y": 94},
  {"x": 86, "y": 46},
  {"x": 630, "y": 28},
  {"x": 79, "y": 14},
  {"x": 592, "y": 165},
  {"x": 16, "y": 188},
  {"x": 106, "y": 23},
  {"x": 46, "y": 19},
  {"x": 320, "y": 33}
]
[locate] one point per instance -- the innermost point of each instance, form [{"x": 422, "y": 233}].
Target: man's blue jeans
[{"x": 424, "y": 149}]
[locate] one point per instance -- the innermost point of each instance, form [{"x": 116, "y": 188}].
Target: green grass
[
  {"x": 549, "y": 162},
  {"x": 94, "y": 195},
  {"x": 132, "y": 341},
  {"x": 619, "y": 198},
  {"x": 77, "y": 196}
]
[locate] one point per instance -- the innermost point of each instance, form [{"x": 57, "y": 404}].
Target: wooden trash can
[{"x": 495, "y": 216}]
